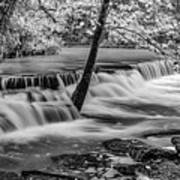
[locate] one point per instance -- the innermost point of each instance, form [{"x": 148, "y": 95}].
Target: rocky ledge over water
[{"x": 123, "y": 159}]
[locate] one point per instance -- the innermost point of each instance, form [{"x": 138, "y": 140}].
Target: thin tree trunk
[{"x": 79, "y": 94}]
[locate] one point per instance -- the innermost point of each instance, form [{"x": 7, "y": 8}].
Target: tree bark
[
  {"x": 6, "y": 10},
  {"x": 79, "y": 94}
]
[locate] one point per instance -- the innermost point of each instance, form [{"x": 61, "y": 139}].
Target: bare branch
[
  {"x": 46, "y": 11},
  {"x": 145, "y": 38}
]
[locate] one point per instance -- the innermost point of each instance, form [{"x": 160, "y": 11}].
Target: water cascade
[
  {"x": 50, "y": 81},
  {"x": 36, "y": 94},
  {"x": 16, "y": 115},
  {"x": 156, "y": 69},
  {"x": 124, "y": 98},
  {"x": 126, "y": 94}
]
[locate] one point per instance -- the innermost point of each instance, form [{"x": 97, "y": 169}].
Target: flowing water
[{"x": 143, "y": 102}]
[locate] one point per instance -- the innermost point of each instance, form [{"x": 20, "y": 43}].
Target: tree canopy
[{"x": 44, "y": 26}]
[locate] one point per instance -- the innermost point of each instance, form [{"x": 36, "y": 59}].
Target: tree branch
[
  {"x": 45, "y": 10},
  {"x": 147, "y": 39}
]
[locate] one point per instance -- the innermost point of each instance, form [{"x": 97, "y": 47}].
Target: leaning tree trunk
[{"x": 79, "y": 94}]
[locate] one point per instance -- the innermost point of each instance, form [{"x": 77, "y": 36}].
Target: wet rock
[
  {"x": 130, "y": 170},
  {"x": 165, "y": 170},
  {"x": 176, "y": 142},
  {"x": 9, "y": 176},
  {"x": 9, "y": 162},
  {"x": 111, "y": 173},
  {"x": 78, "y": 161},
  {"x": 142, "y": 177},
  {"x": 138, "y": 150},
  {"x": 142, "y": 152},
  {"x": 117, "y": 146},
  {"x": 91, "y": 170}
]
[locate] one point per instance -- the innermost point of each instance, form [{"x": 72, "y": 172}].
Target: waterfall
[
  {"x": 151, "y": 70},
  {"x": 22, "y": 106},
  {"x": 125, "y": 82},
  {"x": 148, "y": 70},
  {"x": 35, "y": 94},
  {"x": 111, "y": 95},
  {"x": 16, "y": 115},
  {"x": 50, "y": 81}
]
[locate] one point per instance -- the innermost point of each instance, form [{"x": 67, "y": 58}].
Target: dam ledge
[{"x": 74, "y": 58}]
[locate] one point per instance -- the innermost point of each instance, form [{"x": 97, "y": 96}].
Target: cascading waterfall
[
  {"x": 37, "y": 122},
  {"x": 156, "y": 69},
  {"x": 116, "y": 96},
  {"x": 50, "y": 81},
  {"x": 36, "y": 94},
  {"x": 16, "y": 115}
]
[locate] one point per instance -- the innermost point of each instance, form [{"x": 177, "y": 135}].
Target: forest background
[{"x": 43, "y": 27}]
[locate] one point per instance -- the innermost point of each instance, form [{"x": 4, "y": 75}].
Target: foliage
[{"x": 44, "y": 26}]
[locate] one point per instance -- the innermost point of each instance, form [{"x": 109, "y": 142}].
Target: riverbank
[{"x": 123, "y": 159}]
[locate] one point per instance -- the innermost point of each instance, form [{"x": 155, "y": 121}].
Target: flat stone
[
  {"x": 91, "y": 170},
  {"x": 129, "y": 170},
  {"x": 117, "y": 145},
  {"x": 139, "y": 150},
  {"x": 9, "y": 176},
  {"x": 111, "y": 173}
]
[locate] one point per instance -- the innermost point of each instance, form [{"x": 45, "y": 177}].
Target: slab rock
[
  {"x": 81, "y": 161},
  {"x": 142, "y": 152},
  {"x": 139, "y": 150},
  {"x": 165, "y": 170},
  {"x": 130, "y": 170},
  {"x": 9, "y": 176},
  {"x": 117, "y": 146},
  {"x": 176, "y": 142}
]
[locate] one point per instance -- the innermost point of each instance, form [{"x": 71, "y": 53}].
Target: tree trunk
[
  {"x": 79, "y": 94},
  {"x": 6, "y": 10}
]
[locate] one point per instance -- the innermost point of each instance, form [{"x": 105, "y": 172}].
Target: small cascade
[
  {"x": 49, "y": 81},
  {"x": 118, "y": 84},
  {"x": 23, "y": 82},
  {"x": 35, "y": 94},
  {"x": 123, "y": 83},
  {"x": 157, "y": 69},
  {"x": 15, "y": 115},
  {"x": 112, "y": 92},
  {"x": 70, "y": 77}
]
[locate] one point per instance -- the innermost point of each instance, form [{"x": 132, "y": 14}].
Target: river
[{"x": 143, "y": 102}]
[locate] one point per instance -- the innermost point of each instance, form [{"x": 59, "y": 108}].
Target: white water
[
  {"x": 51, "y": 81},
  {"x": 123, "y": 104}
]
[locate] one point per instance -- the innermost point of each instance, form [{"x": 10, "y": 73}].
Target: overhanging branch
[
  {"x": 46, "y": 11},
  {"x": 145, "y": 38}
]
